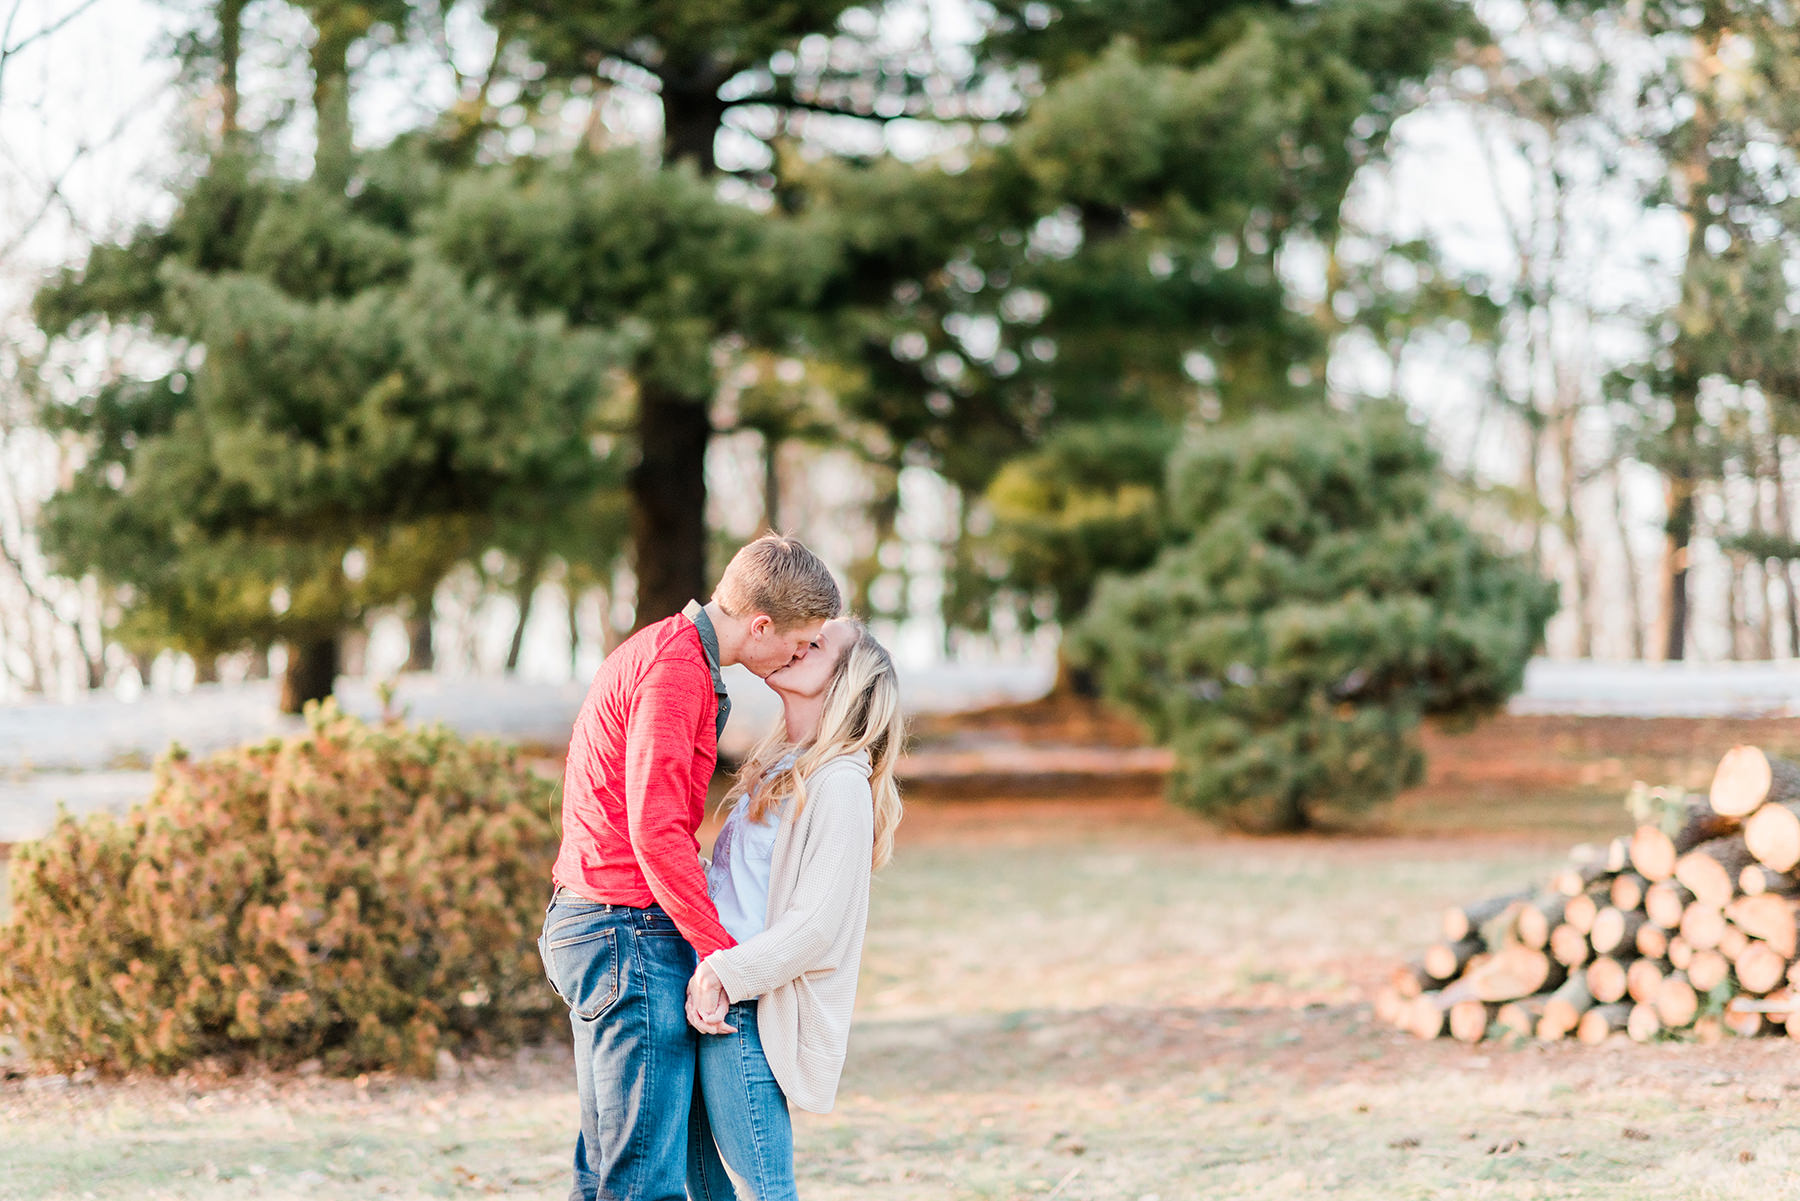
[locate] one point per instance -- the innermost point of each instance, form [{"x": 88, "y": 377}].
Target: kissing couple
[{"x": 706, "y": 998}]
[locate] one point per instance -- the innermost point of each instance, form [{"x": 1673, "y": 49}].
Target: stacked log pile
[{"x": 1689, "y": 924}]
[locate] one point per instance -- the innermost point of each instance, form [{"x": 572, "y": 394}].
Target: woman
[{"x": 813, "y": 814}]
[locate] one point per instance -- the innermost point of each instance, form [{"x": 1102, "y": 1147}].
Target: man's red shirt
[{"x": 634, "y": 788}]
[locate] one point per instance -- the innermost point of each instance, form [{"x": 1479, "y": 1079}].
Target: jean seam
[
  {"x": 696, "y": 1147},
  {"x": 640, "y": 1131},
  {"x": 745, "y": 1052}
]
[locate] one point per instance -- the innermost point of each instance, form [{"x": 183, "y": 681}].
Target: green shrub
[
  {"x": 367, "y": 895},
  {"x": 1320, "y": 601}
]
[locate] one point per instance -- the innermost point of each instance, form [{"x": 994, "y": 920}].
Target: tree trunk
[
  {"x": 572, "y": 608},
  {"x": 312, "y": 668},
  {"x": 1784, "y": 524},
  {"x": 419, "y": 654},
  {"x": 206, "y": 668},
  {"x": 353, "y": 653},
  {"x": 771, "y": 465},
  {"x": 333, "y": 36},
  {"x": 530, "y": 571},
  {"x": 668, "y": 486},
  {"x": 1581, "y": 572},
  {"x": 231, "y": 38},
  {"x": 1634, "y": 600},
  {"x": 668, "y": 494}
]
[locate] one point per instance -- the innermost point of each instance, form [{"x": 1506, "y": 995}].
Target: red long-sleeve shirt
[{"x": 634, "y": 787}]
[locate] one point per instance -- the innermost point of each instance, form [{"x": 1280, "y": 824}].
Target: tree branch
[{"x": 8, "y": 48}]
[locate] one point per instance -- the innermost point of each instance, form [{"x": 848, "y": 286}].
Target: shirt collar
[{"x": 709, "y": 641}]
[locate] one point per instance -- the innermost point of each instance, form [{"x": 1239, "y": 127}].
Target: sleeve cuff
[{"x": 726, "y": 968}]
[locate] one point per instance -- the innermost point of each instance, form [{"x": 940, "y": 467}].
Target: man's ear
[{"x": 761, "y": 624}]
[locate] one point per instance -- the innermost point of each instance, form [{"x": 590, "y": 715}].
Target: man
[{"x": 630, "y": 917}]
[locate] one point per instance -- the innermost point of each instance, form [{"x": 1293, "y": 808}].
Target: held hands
[{"x": 707, "y": 1003}]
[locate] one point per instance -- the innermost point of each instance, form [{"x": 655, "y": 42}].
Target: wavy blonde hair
[{"x": 861, "y": 712}]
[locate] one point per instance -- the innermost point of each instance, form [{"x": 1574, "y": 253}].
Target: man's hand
[{"x": 707, "y": 1003}]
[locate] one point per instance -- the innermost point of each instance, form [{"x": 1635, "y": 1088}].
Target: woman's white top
[
  {"x": 738, "y": 880},
  {"x": 803, "y": 966}
]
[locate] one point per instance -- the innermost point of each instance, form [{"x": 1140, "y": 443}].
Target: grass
[{"x": 1079, "y": 1001}]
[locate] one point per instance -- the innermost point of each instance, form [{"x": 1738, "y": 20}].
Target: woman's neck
[{"x": 802, "y": 716}]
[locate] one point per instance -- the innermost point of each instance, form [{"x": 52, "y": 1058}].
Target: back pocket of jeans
[{"x": 584, "y": 970}]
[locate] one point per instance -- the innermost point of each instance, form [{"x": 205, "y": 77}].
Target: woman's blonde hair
[{"x": 861, "y": 713}]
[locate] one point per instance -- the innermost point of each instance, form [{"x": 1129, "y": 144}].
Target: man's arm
[{"x": 667, "y": 712}]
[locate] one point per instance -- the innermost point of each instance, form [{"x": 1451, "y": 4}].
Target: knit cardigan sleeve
[{"x": 837, "y": 835}]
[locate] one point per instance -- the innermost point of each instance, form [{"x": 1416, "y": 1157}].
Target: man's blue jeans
[
  {"x": 623, "y": 973},
  {"x": 740, "y": 1115}
]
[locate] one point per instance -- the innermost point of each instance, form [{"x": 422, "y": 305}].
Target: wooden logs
[
  {"x": 1702, "y": 926},
  {"x": 1466, "y": 921},
  {"x": 1627, "y": 891},
  {"x": 1647, "y": 935},
  {"x": 1665, "y": 902},
  {"x": 1446, "y": 960},
  {"x": 1642, "y": 977},
  {"x": 1408, "y": 980},
  {"x": 1654, "y": 849},
  {"x": 1760, "y": 969},
  {"x": 1581, "y": 911},
  {"x": 1606, "y": 980},
  {"x": 1563, "y": 1010},
  {"x": 1676, "y": 1002},
  {"x": 1742, "y": 1021},
  {"x": 1569, "y": 946},
  {"x": 1710, "y": 871},
  {"x": 1773, "y": 835},
  {"x": 1615, "y": 932},
  {"x": 1469, "y": 1020},
  {"x": 1538, "y": 916},
  {"x": 1757, "y": 879},
  {"x": 1772, "y": 918},
  {"x": 1520, "y": 1018},
  {"x": 1512, "y": 972},
  {"x": 1746, "y": 777},
  {"x": 1597, "y": 1023},
  {"x": 1574, "y": 879},
  {"x": 1708, "y": 970}
]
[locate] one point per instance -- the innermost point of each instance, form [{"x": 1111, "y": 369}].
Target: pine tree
[{"x": 1318, "y": 603}]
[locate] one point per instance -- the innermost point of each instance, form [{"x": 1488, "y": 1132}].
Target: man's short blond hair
[{"x": 778, "y": 576}]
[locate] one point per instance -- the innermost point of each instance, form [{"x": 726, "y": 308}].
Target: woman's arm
[{"x": 834, "y": 875}]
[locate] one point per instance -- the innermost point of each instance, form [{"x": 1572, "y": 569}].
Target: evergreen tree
[{"x": 1318, "y": 604}]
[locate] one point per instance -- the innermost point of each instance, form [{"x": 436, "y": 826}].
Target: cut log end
[
  {"x": 1710, "y": 871},
  {"x": 1773, "y": 836},
  {"x": 1469, "y": 1020},
  {"x": 1676, "y": 1002},
  {"x": 1741, "y": 782},
  {"x": 1606, "y": 980},
  {"x": 1760, "y": 969},
  {"x": 1600, "y": 1022}
]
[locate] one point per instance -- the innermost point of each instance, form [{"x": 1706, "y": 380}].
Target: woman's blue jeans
[{"x": 739, "y": 1119}]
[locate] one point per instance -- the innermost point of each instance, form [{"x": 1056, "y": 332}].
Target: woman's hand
[{"x": 707, "y": 1003}]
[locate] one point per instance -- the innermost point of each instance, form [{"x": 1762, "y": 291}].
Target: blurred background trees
[{"x": 940, "y": 286}]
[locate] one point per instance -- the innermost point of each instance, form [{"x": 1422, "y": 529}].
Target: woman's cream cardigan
[{"x": 804, "y": 963}]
